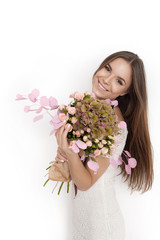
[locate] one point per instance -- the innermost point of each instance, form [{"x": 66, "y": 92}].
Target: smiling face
[{"x": 113, "y": 80}]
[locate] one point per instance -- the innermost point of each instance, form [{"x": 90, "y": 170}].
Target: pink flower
[
  {"x": 27, "y": 108},
  {"x": 62, "y": 116},
  {"x": 61, "y": 106},
  {"x": 104, "y": 141},
  {"x": 100, "y": 145},
  {"x": 82, "y": 131},
  {"x": 33, "y": 95},
  {"x": 93, "y": 165},
  {"x": 78, "y": 133},
  {"x": 88, "y": 93},
  {"x": 104, "y": 150},
  {"x": 79, "y": 96},
  {"x": 85, "y": 138},
  {"x": 88, "y": 130},
  {"x": 89, "y": 143},
  {"x": 72, "y": 110},
  {"x": 97, "y": 152},
  {"x": 44, "y": 101},
  {"x": 96, "y": 140},
  {"x": 73, "y": 120},
  {"x": 72, "y": 94}
]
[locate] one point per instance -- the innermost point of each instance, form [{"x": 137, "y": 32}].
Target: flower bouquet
[{"x": 94, "y": 129}]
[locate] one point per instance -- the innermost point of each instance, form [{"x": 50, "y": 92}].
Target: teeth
[{"x": 101, "y": 86}]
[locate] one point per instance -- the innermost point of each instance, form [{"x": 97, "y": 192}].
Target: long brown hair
[{"x": 134, "y": 108}]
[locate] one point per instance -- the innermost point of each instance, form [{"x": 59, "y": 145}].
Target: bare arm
[{"x": 80, "y": 175}]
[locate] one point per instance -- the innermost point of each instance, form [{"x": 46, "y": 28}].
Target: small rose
[
  {"x": 79, "y": 96},
  {"x": 104, "y": 150},
  {"x": 85, "y": 138},
  {"x": 104, "y": 141},
  {"x": 61, "y": 106},
  {"x": 62, "y": 116},
  {"x": 97, "y": 152},
  {"x": 73, "y": 120},
  {"x": 96, "y": 140},
  {"x": 100, "y": 145},
  {"x": 72, "y": 95},
  {"x": 88, "y": 93},
  {"x": 89, "y": 143},
  {"x": 78, "y": 133},
  {"x": 82, "y": 131},
  {"x": 72, "y": 110},
  {"x": 88, "y": 130}
]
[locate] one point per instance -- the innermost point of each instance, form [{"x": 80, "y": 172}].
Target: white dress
[{"x": 96, "y": 214}]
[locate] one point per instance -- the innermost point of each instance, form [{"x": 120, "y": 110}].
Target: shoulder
[{"x": 118, "y": 113}]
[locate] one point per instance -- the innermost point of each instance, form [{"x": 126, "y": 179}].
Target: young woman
[{"x": 96, "y": 212}]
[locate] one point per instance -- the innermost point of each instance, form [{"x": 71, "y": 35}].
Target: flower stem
[
  {"x": 48, "y": 168},
  {"x": 67, "y": 187},
  {"x": 60, "y": 188},
  {"x": 46, "y": 182}
]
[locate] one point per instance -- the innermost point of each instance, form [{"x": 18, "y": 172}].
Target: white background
[{"x": 56, "y": 46}]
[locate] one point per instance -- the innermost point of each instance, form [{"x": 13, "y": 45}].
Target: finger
[
  {"x": 64, "y": 135},
  {"x": 61, "y": 156},
  {"x": 60, "y": 132},
  {"x": 60, "y": 159}
]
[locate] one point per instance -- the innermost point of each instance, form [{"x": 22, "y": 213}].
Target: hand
[
  {"x": 61, "y": 156},
  {"x": 62, "y": 140}
]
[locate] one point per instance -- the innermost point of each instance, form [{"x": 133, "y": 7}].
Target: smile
[{"x": 101, "y": 86}]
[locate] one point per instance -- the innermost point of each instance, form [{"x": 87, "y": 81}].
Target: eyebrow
[{"x": 118, "y": 77}]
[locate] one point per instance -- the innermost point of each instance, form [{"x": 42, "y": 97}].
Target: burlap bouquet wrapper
[{"x": 59, "y": 171}]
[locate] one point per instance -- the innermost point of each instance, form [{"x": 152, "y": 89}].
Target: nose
[{"x": 107, "y": 80}]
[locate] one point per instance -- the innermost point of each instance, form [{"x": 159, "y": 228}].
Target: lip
[{"x": 102, "y": 85}]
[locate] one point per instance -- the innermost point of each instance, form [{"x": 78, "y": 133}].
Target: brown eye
[
  {"x": 106, "y": 67},
  {"x": 120, "y": 82}
]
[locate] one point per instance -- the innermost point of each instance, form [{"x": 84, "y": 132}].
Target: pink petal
[
  {"x": 44, "y": 101},
  {"x": 75, "y": 148},
  {"x": 114, "y": 102},
  {"x": 108, "y": 100},
  {"x": 53, "y": 131},
  {"x": 81, "y": 144},
  {"x": 122, "y": 125},
  {"x": 132, "y": 162},
  {"x": 53, "y": 103},
  {"x": 39, "y": 110},
  {"x": 83, "y": 157},
  {"x": 35, "y": 92},
  {"x": 129, "y": 155},
  {"x": 27, "y": 108},
  {"x": 33, "y": 95},
  {"x": 38, "y": 118},
  {"x": 93, "y": 166},
  {"x": 113, "y": 162},
  {"x": 128, "y": 168},
  {"x": 55, "y": 119},
  {"x": 93, "y": 95},
  {"x": 20, "y": 97},
  {"x": 120, "y": 160},
  {"x": 58, "y": 125}
]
